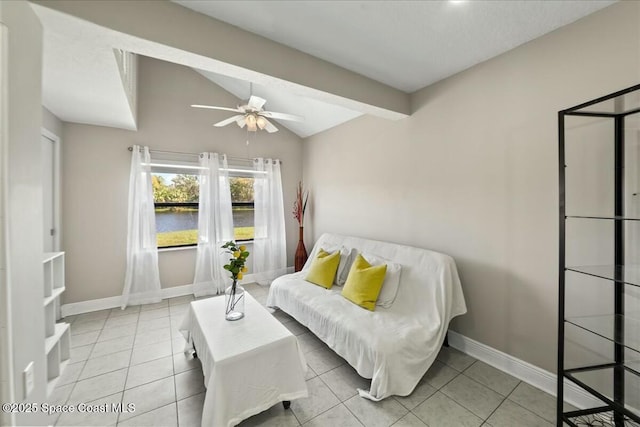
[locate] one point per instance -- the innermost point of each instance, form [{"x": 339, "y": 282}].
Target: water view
[
  {"x": 178, "y": 226},
  {"x": 168, "y": 219}
]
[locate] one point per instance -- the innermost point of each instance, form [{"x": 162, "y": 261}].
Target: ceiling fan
[{"x": 252, "y": 115}]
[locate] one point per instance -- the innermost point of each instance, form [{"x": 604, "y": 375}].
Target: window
[
  {"x": 243, "y": 208},
  {"x": 175, "y": 193},
  {"x": 176, "y": 202}
]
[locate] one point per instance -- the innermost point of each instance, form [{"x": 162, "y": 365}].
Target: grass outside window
[{"x": 190, "y": 237}]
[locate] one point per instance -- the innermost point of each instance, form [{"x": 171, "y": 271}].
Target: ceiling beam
[{"x": 168, "y": 31}]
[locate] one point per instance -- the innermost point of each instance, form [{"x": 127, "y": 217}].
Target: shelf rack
[
  {"x": 610, "y": 382},
  {"x": 57, "y": 335}
]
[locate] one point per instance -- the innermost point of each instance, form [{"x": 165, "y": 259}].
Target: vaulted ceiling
[{"x": 331, "y": 61}]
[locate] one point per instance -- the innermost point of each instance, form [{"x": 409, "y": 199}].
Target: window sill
[
  {"x": 180, "y": 248},
  {"x": 185, "y": 248}
]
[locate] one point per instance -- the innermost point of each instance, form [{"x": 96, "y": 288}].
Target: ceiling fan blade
[
  {"x": 282, "y": 116},
  {"x": 229, "y": 120},
  {"x": 269, "y": 127},
  {"x": 256, "y": 102},
  {"x": 242, "y": 121},
  {"x": 211, "y": 107}
]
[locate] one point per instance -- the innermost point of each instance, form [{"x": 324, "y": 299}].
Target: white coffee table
[{"x": 249, "y": 365}]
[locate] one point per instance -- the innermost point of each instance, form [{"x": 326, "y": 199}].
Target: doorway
[{"x": 50, "y": 191}]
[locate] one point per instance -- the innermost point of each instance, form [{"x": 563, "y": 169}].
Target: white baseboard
[
  {"x": 522, "y": 370},
  {"x": 113, "y": 302}
]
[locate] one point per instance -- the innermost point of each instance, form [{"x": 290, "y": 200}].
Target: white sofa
[{"x": 394, "y": 346}]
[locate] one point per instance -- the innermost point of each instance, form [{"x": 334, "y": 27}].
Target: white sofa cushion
[
  {"x": 391, "y": 280},
  {"x": 346, "y": 259}
]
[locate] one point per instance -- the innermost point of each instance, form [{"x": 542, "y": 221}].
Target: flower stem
[
  {"x": 232, "y": 302},
  {"x": 233, "y": 307}
]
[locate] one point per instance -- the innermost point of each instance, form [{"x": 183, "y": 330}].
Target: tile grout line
[
  {"x": 323, "y": 412},
  {"x": 340, "y": 402},
  {"x": 497, "y": 407},
  {"x": 126, "y": 377},
  {"x": 173, "y": 365},
  {"x": 447, "y": 383},
  {"x": 75, "y": 383},
  {"x": 157, "y": 379},
  {"x": 454, "y": 400},
  {"x": 358, "y": 419},
  {"x": 501, "y": 402},
  {"x": 130, "y": 355},
  {"x": 526, "y": 409},
  {"x": 478, "y": 382},
  {"x": 94, "y": 345}
]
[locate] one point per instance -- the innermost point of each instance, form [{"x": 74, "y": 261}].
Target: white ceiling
[
  {"x": 80, "y": 78},
  {"x": 404, "y": 44}
]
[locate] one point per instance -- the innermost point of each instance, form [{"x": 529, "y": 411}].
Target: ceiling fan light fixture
[
  {"x": 261, "y": 122},
  {"x": 252, "y": 115},
  {"x": 251, "y": 122}
]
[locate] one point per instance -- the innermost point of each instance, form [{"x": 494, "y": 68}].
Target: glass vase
[{"x": 234, "y": 302}]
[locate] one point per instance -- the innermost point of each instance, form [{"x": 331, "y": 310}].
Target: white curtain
[
  {"x": 269, "y": 245},
  {"x": 215, "y": 226},
  {"x": 142, "y": 278}
]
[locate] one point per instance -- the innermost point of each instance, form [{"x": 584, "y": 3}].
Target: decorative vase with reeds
[{"x": 299, "y": 208}]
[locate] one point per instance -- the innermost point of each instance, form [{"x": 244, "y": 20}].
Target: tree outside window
[
  {"x": 176, "y": 205},
  {"x": 243, "y": 208}
]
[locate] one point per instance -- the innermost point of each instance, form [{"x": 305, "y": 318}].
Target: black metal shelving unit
[{"x": 618, "y": 332}]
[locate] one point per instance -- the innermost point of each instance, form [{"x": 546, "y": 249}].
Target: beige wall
[
  {"x": 473, "y": 173},
  {"x": 25, "y": 199},
  {"x": 96, "y": 173}
]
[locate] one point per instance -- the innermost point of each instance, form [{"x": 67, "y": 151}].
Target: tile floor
[{"x": 135, "y": 356}]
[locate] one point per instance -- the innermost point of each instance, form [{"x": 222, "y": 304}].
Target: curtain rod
[{"x": 244, "y": 159}]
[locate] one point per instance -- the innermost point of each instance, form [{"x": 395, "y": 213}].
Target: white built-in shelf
[
  {"x": 57, "y": 335},
  {"x": 54, "y": 295},
  {"x": 51, "y": 384},
  {"x": 53, "y": 268},
  {"x": 50, "y": 256},
  {"x": 50, "y": 342}
]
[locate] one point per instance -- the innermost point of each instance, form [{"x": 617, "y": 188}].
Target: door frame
[
  {"x": 6, "y": 334},
  {"x": 57, "y": 223}
]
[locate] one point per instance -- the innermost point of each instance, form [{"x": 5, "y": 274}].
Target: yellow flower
[
  {"x": 244, "y": 269},
  {"x": 236, "y": 254},
  {"x": 239, "y": 276},
  {"x": 242, "y": 248}
]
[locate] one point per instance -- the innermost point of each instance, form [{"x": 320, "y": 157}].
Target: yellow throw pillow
[
  {"x": 364, "y": 283},
  {"x": 323, "y": 269}
]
